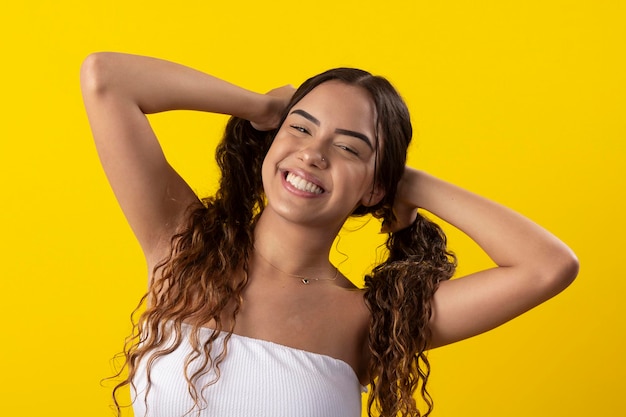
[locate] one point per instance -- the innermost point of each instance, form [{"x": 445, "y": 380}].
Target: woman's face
[{"x": 320, "y": 166}]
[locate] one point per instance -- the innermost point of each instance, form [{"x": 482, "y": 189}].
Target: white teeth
[{"x": 302, "y": 184}]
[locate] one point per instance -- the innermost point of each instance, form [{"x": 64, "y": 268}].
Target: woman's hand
[
  {"x": 278, "y": 99},
  {"x": 404, "y": 208}
]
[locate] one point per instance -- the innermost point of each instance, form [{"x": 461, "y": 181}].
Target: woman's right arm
[{"x": 118, "y": 90}]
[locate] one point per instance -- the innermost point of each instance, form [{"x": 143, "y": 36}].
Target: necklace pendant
[{"x": 305, "y": 281}]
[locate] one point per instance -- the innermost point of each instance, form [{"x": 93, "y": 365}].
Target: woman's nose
[{"x": 313, "y": 154}]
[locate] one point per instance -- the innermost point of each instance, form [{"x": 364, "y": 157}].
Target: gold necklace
[{"x": 305, "y": 280}]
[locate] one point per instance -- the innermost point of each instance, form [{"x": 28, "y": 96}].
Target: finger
[{"x": 403, "y": 220}]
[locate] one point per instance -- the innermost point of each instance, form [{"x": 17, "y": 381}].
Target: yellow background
[{"x": 523, "y": 103}]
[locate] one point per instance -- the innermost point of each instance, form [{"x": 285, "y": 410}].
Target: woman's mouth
[{"x": 301, "y": 184}]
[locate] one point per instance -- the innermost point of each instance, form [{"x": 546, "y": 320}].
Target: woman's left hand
[{"x": 404, "y": 208}]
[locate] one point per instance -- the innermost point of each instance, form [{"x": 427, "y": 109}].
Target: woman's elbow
[
  {"x": 562, "y": 271},
  {"x": 95, "y": 73}
]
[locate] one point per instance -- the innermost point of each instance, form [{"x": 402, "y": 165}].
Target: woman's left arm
[{"x": 532, "y": 264}]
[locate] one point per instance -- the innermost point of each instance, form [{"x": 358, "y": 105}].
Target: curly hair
[
  {"x": 203, "y": 276},
  {"x": 398, "y": 294}
]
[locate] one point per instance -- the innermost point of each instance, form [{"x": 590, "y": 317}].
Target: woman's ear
[{"x": 374, "y": 196}]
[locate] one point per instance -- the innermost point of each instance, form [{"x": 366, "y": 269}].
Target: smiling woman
[{"x": 241, "y": 287}]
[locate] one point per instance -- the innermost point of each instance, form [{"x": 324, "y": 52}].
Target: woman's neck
[{"x": 293, "y": 248}]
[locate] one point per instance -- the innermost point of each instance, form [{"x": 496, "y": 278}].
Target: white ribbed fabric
[{"x": 258, "y": 379}]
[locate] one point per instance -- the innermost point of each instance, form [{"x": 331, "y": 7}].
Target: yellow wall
[{"x": 520, "y": 101}]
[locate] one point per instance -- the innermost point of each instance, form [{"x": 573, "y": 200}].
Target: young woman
[{"x": 245, "y": 315}]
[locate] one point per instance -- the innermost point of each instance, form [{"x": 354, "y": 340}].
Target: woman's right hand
[{"x": 279, "y": 99}]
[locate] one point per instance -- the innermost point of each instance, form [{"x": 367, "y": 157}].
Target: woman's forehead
[{"x": 335, "y": 98}]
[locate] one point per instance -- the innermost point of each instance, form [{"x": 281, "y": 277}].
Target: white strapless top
[{"x": 257, "y": 378}]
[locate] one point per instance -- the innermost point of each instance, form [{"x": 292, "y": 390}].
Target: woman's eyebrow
[
  {"x": 356, "y": 135},
  {"x": 352, "y": 133},
  {"x": 307, "y": 116}
]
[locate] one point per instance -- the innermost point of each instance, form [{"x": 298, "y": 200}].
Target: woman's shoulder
[{"x": 351, "y": 307}]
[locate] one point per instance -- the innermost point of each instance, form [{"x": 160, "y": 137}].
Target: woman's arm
[
  {"x": 533, "y": 265},
  {"x": 118, "y": 90}
]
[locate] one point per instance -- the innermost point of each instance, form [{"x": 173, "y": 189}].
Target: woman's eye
[
  {"x": 348, "y": 149},
  {"x": 299, "y": 128}
]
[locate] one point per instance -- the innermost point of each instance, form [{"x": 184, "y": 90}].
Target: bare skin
[{"x": 297, "y": 229}]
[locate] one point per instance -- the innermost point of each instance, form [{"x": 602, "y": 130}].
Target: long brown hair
[{"x": 205, "y": 272}]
